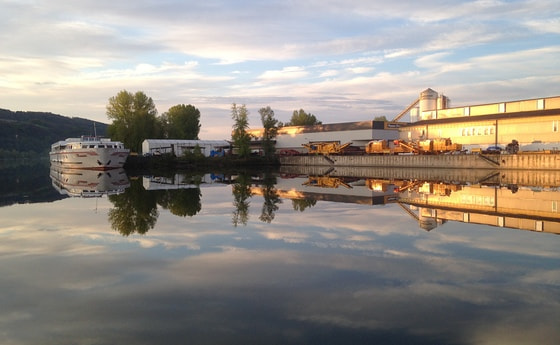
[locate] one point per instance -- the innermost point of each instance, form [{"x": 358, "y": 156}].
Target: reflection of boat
[
  {"x": 89, "y": 183},
  {"x": 88, "y": 153}
]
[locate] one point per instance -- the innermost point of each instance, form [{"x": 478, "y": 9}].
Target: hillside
[{"x": 32, "y": 133}]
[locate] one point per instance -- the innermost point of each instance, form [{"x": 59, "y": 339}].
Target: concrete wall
[{"x": 464, "y": 161}]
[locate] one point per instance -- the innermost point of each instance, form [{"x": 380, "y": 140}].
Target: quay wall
[
  {"x": 541, "y": 178},
  {"x": 534, "y": 161}
]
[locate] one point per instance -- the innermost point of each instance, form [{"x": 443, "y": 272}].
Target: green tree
[
  {"x": 134, "y": 119},
  {"x": 380, "y": 118},
  {"x": 182, "y": 122},
  {"x": 270, "y": 125},
  {"x": 241, "y": 138},
  {"x": 301, "y": 118}
]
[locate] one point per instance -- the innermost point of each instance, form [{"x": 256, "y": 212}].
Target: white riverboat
[{"x": 88, "y": 152}]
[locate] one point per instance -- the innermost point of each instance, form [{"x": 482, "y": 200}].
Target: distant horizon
[{"x": 324, "y": 123}]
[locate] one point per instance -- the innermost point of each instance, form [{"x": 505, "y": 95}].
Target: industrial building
[
  {"x": 179, "y": 147},
  {"x": 533, "y": 123},
  {"x": 292, "y": 138}
]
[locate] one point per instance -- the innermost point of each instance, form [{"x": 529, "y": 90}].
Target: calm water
[{"x": 283, "y": 259}]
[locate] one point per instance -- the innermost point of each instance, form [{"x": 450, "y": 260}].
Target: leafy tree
[
  {"x": 270, "y": 125},
  {"x": 182, "y": 122},
  {"x": 301, "y": 118},
  {"x": 134, "y": 119},
  {"x": 380, "y": 118},
  {"x": 241, "y": 138}
]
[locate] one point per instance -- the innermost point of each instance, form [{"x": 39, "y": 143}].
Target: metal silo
[{"x": 428, "y": 100}]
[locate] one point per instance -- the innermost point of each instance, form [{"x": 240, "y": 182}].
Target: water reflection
[
  {"x": 513, "y": 199},
  {"x": 88, "y": 183},
  {"x": 341, "y": 261}
]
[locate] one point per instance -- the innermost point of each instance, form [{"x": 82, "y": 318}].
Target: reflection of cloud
[
  {"x": 548, "y": 277},
  {"x": 339, "y": 269}
]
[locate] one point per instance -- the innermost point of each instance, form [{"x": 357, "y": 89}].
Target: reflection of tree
[
  {"x": 271, "y": 199},
  {"x": 182, "y": 202},
  {"x": 135, "y": 210},
  {"x": 302, "y": 204},
  {"x": 241, "y": 192}
]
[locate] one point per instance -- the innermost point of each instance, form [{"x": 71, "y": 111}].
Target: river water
[{"x": 284, "y": 258}]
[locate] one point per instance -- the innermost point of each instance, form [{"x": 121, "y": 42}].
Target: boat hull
[{"x": 92, "y": 159}]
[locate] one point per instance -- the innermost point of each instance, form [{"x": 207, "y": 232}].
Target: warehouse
[
  {"x": 177, "y": 147},
  {"x": 357, "y": 133},
  {"x": 534, "y": 124}
]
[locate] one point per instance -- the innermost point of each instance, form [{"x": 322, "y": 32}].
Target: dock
[{"x": 520, "y": 161}]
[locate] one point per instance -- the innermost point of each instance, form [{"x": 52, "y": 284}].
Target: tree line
[{"x": 135, "y": 118}]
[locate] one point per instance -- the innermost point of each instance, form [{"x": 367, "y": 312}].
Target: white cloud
[{"x": 378, "y": 56}]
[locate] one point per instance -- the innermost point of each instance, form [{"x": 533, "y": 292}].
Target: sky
[{"x": 341, "y": 61}]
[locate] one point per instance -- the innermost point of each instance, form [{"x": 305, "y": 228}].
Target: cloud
[
  {"x": 375, "y": 60},
  {"x": 291, "y": 72}
]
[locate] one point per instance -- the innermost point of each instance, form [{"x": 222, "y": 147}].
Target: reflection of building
[
  {"x": 520, "y": 200},
  {"x": 180, "y": 181},
  {"x": 89, "y": 183},
  {"x": 331, "y": 188},
  {"x": 524, "y": 208}
]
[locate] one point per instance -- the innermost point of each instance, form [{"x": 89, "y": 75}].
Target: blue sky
[{"x": 339, "y": 60}]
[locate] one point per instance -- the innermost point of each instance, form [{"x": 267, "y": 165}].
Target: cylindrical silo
[
  {"x": 443, "y": 102},
  {"x": 428, "y": 100}
]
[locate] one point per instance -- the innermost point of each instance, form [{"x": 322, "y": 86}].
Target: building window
[{"x": 555, "y": 126}]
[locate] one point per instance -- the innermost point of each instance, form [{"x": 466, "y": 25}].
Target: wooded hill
[{"x": 24, "y": 133}]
